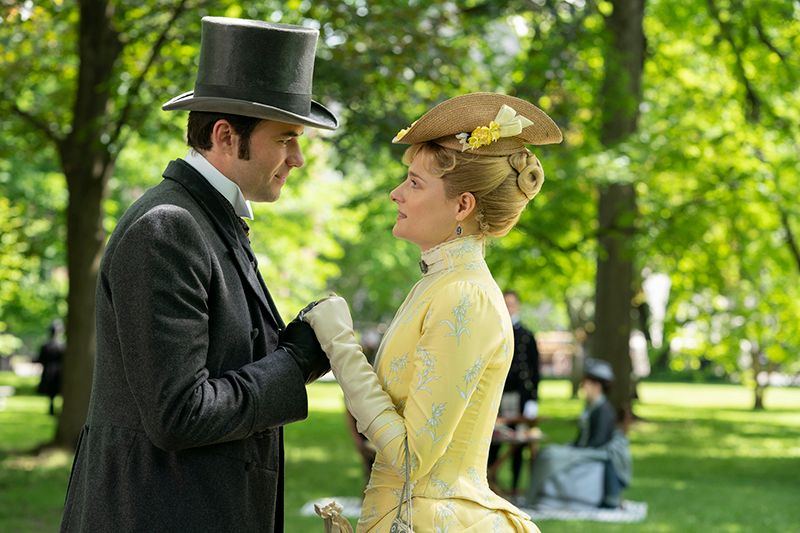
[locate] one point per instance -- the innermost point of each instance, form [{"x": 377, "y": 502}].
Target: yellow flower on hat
[
  {"x": 484, "y": 135},
  {"x": 506, "y": 124},
  {"x": 402, "y": 133}
]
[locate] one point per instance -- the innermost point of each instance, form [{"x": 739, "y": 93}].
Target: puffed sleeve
[{"x": 453, "y": 351}]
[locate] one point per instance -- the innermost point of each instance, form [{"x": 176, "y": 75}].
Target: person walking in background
[
  {"x": 51, "y": 357},
  {"x": 430, "y": 403},
  {"x": 196, "y": 372},
  {"x": 521, "y": 391}
]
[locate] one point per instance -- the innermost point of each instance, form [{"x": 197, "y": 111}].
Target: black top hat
[{"x": 256, "y": 69}]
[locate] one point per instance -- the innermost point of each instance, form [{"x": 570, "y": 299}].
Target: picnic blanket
[{"x": 630, "y": 511}]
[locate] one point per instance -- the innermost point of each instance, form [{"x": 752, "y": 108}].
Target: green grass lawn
[{"x": 704, "y": 462}]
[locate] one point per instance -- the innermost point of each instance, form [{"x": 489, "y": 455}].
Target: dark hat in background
[
  {"x": 483, "y": 123},
  {"x": 598, "y": 369},
  {"x": 256, "y": 69}
]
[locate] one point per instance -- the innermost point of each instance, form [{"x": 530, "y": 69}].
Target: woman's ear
[{"x": 466, "y": 205}]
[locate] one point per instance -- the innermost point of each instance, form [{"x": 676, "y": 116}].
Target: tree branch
[
  {"x": 137, "y": 84},
  {"x": 754, "y": 101},
  {"x": 762, "y": 36},
  {"x": 791, "y": 241},
  {"x": 35, "y": 121}
]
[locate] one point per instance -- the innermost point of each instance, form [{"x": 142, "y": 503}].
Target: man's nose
[{"x": 295, "y": 157}]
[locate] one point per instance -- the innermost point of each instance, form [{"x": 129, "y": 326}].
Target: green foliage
[{"x": 714, "y": 163}]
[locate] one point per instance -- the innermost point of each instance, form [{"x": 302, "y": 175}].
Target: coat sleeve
[
  {"x": 158, "y": 281},
  {"x": 457, "y": 340},
  {"x": 533, "y": 366}
]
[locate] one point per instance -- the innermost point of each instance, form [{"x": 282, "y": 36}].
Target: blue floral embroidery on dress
[
  {"x": 445, "y": 512},
  {"x": 459, "y": 325},
  {"x": 496, "y": 525},
  {"x": 395, "y": 367},
  {"x": 426, "y": 375},
  {"x": 444, "y": 487},
  {"x": 470, "y": 375},
  {"x": 431, "y": 426}
]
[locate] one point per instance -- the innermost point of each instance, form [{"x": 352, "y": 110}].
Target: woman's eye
[{"x": 413, "y": 183}]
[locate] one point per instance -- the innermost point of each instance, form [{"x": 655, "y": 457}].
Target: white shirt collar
[{"x": 222, "y": 184}]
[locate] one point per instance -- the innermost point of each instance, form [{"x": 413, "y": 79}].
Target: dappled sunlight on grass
[{"x": 47, "y": 460}]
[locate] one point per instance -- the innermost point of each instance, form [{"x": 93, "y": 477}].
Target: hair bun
[{"x": 531, "y": 175}]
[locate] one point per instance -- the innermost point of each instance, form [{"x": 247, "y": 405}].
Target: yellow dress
[{"x": 443, "y": 362}]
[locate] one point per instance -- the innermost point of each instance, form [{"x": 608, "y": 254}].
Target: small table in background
[{"x": 505, "y": 433}]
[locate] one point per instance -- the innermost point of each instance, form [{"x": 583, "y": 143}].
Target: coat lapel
[{"x": 229, "y": 228}]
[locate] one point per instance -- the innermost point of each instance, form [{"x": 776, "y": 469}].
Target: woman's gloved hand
[
  {"x": 333, "y": 326},
  {"x": 331, "y": 321}
]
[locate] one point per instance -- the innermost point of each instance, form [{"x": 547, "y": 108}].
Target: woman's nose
[{"x": 395, "y": 194}]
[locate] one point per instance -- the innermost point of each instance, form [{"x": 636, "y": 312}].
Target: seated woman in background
[{"x": 593, "y": 470}]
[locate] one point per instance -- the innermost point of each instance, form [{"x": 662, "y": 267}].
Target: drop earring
[{"x": 459, "y": 230}]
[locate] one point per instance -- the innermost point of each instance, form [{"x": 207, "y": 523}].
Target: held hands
[
  {"x": 331, "y": 321},
  {"x": 299, "y": 341},
  {"x": 363, "y": 394}
]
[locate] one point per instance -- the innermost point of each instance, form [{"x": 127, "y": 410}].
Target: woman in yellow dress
[{"x": 431, "y": 400}]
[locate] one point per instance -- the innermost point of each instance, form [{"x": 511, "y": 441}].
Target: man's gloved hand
[{"x": 299, "y": 341}]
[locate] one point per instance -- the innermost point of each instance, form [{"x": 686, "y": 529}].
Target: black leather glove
[{"x": 299, "y": 341}]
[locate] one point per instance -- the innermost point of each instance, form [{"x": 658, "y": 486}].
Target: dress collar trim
[{"x": 450, "y": 254}]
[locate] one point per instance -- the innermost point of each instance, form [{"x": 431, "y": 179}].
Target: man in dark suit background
[
  {"x": 196, "y": 372},
  {"x": 521, "y": 390}
]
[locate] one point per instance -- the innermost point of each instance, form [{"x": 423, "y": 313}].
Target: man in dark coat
[
  {"x": 51, "y": 357},
  {"x": 196, "y": 372},
  {"x": 521, "y": 390}
]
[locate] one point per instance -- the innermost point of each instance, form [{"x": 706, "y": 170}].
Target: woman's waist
[{"x": 435, "y": 483}]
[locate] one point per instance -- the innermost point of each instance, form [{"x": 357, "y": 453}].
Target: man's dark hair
[
  {"x": 511, "y": 292},
  {"x": 201, "y": 124}
]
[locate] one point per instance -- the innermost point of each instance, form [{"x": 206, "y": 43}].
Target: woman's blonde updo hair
[{"x": 502, "y": 185}]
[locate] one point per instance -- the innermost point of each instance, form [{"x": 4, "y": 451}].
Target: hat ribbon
[{"x": 505, "y": 124}]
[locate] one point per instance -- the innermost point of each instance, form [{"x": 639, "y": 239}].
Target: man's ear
[
  {"x": 466, "y": 205},
  {"x": 223, "y": 137}
]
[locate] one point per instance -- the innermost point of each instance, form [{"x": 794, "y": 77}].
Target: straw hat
[
  {"x": 256, "y": 69},
  {"x": 484, "y": 124}
]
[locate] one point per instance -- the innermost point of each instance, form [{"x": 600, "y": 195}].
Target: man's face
[
  {"x": 274, "y": 152},
  {"x": 512, "y": 304}
]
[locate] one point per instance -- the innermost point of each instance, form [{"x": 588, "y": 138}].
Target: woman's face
[
  {"x": 592, "y": 389},
  {"x": 425, "y": 216}
]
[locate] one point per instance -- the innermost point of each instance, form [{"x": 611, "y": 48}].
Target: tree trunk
[
  {"x": 87, "y": 162},
  {"x": 620, "y": 99},
  {"x": 614, "y": 288},
  {"x": 85, "y": 239},
  {"x": 758, "y": 386}
]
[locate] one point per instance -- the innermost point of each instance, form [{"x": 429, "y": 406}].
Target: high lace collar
[{"x": 451, "y": 254}]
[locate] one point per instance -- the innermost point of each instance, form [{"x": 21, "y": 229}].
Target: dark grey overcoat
[{"x": 189, "y": 392}]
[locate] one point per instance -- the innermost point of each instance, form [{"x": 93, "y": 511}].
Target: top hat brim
[
  {"x": 318, "y": 117},
  {"x": 466, "y": 112}
]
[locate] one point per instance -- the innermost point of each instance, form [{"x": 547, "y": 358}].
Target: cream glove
[{"x": 364, "y": 396}]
